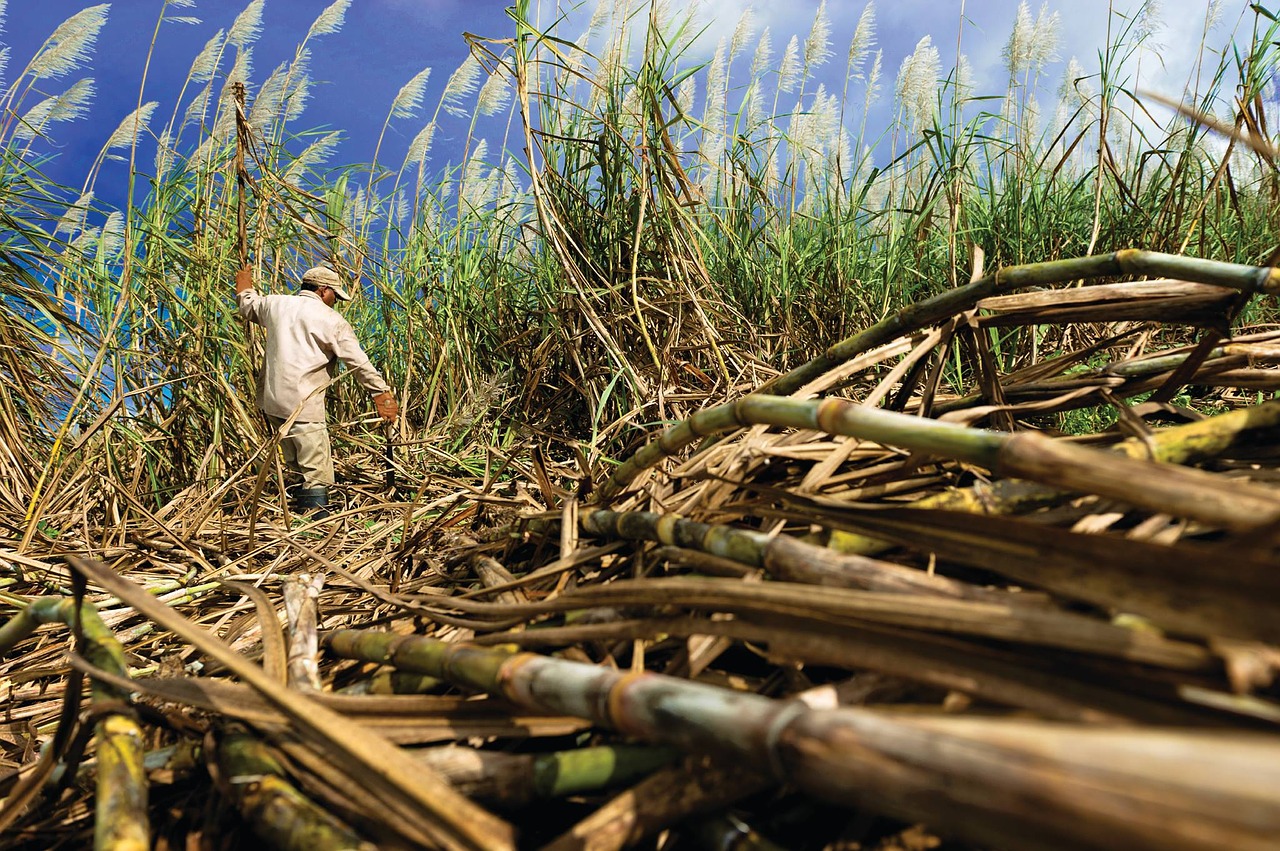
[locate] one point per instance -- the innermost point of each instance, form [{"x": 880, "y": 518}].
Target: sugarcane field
[{"x": 666, "y": 424}]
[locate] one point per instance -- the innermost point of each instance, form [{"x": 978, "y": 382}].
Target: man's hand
[
  {"x": 387, "y": 406},
  {"x": 244, "y": 279}
]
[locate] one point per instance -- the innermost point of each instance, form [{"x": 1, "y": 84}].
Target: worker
[{"x": 306, "y": 338}]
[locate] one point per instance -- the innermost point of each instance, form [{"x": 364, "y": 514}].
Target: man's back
[{"x": 305, "y": 338}]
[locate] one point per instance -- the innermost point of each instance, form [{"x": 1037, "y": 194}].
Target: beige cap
[{"x": 323, "y": 276}]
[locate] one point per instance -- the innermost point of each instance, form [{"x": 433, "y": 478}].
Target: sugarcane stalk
[
  {"x": 450, "y": 819},
  {"x": 1183, "y": 444},
  {"x": 120, "y": 807},
  {"x": 1167, "y": 488},
  {"x": 300, "y": 595},
  {"x": 279, "y": 814},
  {"x": 1130, "y": 261},
  {"x": 518, "y": 779},
  {"x": 391, "y": 681},
  {"x": 666, "y": 798},
  {"x": 493, "y": 575},
  {"x": 995, "y": 781},
  {"x": 782, "y": 557}
]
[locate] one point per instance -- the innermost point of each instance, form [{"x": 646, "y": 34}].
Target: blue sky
[{"x": 385, "y": 42}]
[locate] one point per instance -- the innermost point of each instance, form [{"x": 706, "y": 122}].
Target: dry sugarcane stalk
[
  {"x": 1130, "y": 261},
  {"x": 410, "y": 790},
  {"x": 781, "y": 556},
  {"x": 1183, "y": 444},
  {"x": 493, "y": 575},
  {"x": 1009, "y": 783},
  {"x": 280, "y": 815},
  {"x": 1167, "y": 488},
  {"x": 300, "y": 595},
  {"x": 121, "y": 822},
  {"x": 1187, "y": 587},
  {"x": 1002, "y": 677}
]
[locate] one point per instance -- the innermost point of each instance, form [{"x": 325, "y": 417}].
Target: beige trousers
[{"x": 306, "y": 451}]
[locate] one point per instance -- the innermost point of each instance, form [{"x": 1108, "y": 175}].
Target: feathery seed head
[
  {"x": 1045, "y": 39},
  {"x": 164, "y": 155},
  {"x": 312, "y": 156},
  {"x": 753, "y": 105},
  {"x": 963, "y": 78},
  {"x": 330, "y": 20},
  {"x": 606, "y": 75},
  {"x": 111, "y": 243},
  {"x": 873, "y": 77},
  {"x": 198, "y": 107},
  {"x": 73, "y": 220},
  {"x": 917, "y": 82},
  {"x": 247, "y": 26},
  {"x": 409, "y": 99},
  {"x": 241, "y": 71},
  {"x": 864, "y": 37},
  {"x": 68, "y": 106},
  {"x": 478, "y": 181},
  {"x": 686, "y": 94},
  {"x": 298, "y": 85},
  {"x": 420, "y": 147},
  {"x": 1148, "y": 21},
  {"x": 717, "y": 87},
  {"x": 1075, "y": 90},
  {"x": 742, "y": 32},
  {"x": 126, "y": 135},
  {"x": 70, "y": 44},
  {"x": 1017, "y": 50},
  {"x": 1213, "y": 15},
  {"x": 462, "y": 82},
  {"x": 206, "y": 61},
  {"x": 494, "y": 95},
  {"x": 764, "y": 52},
  {"x": 599, "y": 17},
  {"x": 817, "y": 47},
  {"x": 269, "y": 100},
  {"x": 789, "y": 70}
]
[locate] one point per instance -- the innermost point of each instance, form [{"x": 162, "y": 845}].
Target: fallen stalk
[
  {"x": 991, "y": 781},
  {"x": 1130, "y": 261},
  {"x": 1167, "y": 488},
  {"x": 280, "y": 815},
  {"x": 120, "y": 817}
]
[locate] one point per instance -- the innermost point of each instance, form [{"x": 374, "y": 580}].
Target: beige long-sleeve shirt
[{"x": 305, "y": 340}]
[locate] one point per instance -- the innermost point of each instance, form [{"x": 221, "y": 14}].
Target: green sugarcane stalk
[
  {"x": 1129, "y": 261},
  {"x": 280, "y": 815},
  {"x": 989, "y": 780},
  {"x": 1183, "y": 444},
  {"x": 518, "y": 779},
  {"x": 120, "y": 813},
  {"x": 1159, "y": 487}
]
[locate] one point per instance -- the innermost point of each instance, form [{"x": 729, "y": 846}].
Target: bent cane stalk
[
  {"x": 280, "y": 814},
  {"x": 120, "y": 810},
  {"x": 1183, "y": 444},
  {"x": 1130, "y": 261},
  {"x": 1002, "y": 782},
  {"x": 1179, "y": 491}
]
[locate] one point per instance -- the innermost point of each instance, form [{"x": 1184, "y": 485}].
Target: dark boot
[{"x": 312, "y": 502}]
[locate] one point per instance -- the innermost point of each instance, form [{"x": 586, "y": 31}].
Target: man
[{"x": 306, "y": 338}]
